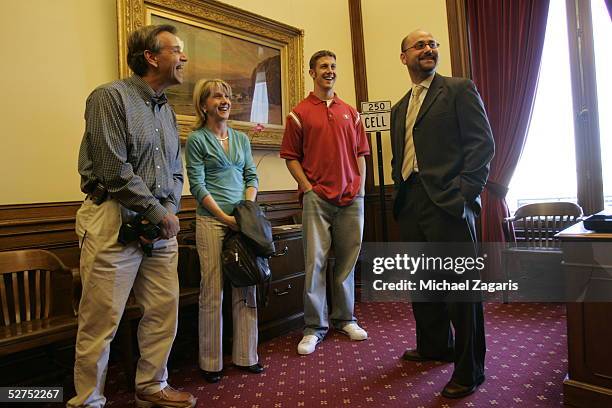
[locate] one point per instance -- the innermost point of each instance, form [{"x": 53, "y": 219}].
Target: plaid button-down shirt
[{"x": 131, "y": 146}]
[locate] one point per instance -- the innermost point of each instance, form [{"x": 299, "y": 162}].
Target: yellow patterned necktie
[{"x": 409, "y": 154}]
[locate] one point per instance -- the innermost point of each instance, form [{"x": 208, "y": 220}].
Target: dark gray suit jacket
[{"x": 453, "y": 143}]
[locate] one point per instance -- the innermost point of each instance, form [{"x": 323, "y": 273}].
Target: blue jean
[{"x": 326, "y": 225}]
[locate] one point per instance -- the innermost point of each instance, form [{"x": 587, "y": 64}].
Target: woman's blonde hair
[{"x": 202, "y": 90}]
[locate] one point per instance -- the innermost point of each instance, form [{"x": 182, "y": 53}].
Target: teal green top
[{"x": 211, "y": 171}]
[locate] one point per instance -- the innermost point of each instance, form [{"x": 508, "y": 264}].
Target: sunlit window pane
[{"x": 547, "y": 168}]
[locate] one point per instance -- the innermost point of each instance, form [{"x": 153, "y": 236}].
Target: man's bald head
[
  {"x": 419, "y": 54},
  {"x": 411, "y": 38}
]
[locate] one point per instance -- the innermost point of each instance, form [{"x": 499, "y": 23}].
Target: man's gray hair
[{"x": 145, "y": 38}]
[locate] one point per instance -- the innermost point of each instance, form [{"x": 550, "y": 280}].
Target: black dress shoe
[
  {"x": 254, "y": 369},
  {"x": 455, "y": 390},
  {"x": 211, "y": 376},
  {"x": 414, "y": 355}
]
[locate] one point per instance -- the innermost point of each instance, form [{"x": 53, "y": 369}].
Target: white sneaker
[
  {"x": 354, "y": 332},
  {"x": 308, "y": 344}
]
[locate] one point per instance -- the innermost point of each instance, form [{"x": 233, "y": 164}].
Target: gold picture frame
[{"x": 227, "y": 41}]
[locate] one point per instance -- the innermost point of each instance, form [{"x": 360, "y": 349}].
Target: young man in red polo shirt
[{"x": 324, "y": 147}]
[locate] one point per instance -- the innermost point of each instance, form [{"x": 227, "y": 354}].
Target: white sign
[
  {"x": 376, "y": 116},
  {"x": 376, "y": 122},
  {"x": 377, "y": 106}
]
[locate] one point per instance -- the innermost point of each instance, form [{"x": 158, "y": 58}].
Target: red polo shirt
[{"x": 327, "y": 142}]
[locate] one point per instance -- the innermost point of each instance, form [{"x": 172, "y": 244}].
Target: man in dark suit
[{"x": 442, "y": 145}]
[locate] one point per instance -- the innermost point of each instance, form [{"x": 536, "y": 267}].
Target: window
[
  {"x": 547, "y": 168},
  {"x": 602, "y": 33},
  {"x": 563, "y": 159}
]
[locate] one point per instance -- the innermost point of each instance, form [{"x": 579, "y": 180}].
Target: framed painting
[{"x": 260, "y": 58}]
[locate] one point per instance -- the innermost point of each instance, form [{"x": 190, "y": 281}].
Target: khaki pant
[{"x": 109, "y": 271}]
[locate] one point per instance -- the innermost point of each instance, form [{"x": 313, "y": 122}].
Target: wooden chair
[
  {"x": 36, "y": 296},
  {"x": 533, "y": 252}
]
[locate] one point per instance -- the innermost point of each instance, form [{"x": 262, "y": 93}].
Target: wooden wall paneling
[
  {"x": 372, "y": 231},
  {"x": 50, "y": 226}
]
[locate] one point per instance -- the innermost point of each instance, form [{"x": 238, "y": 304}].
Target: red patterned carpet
[{"x": 525, "y": 366}]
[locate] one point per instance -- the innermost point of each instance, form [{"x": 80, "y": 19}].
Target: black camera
[{"x": 139, "y": 227}]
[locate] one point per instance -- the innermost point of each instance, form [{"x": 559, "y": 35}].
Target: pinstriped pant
[{"x": 209, "y": 240}]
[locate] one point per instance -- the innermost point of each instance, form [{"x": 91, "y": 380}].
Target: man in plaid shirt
[{"x": 130, "y": 164}]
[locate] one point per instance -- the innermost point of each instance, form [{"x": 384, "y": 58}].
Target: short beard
[{"x": 424, "y": 71}]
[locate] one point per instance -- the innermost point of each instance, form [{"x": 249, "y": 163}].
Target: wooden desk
[
  {"x": 285, "y": 310},
  {"x": 589, "y": 330}
]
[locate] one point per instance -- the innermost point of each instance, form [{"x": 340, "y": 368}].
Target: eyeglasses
[{"x": 419, "y": 45}]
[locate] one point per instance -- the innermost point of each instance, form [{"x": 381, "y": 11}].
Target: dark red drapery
[{"x": 506, "y": 39}]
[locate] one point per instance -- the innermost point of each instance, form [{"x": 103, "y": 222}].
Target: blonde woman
[{"x": 221, "y": 172}]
